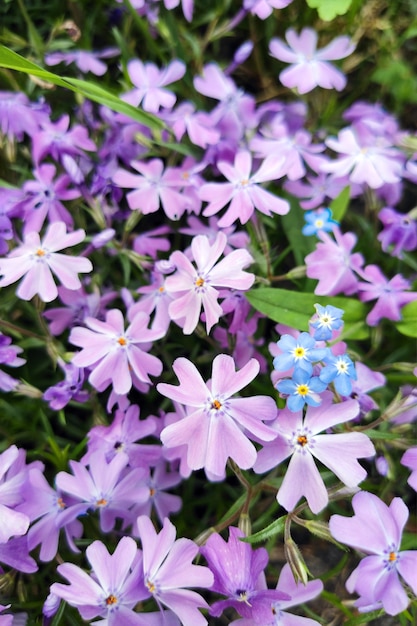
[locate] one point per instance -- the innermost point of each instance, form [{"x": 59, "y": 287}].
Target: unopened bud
[
  {"x": 201, "y": 539},
  {"x": 296, "y": 562},
  {"x": 245, "y": 524}
]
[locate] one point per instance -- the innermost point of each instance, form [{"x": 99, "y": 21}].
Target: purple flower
[
  {"x": 70, "y": 388},
  {"x": 391, "y": 295},
  {"x": 333, "y": 264},
  {"x": 340, "y": 371},
  {"x": 301, "y": 389},
  {"x": 264, "y": 8},
  {"x": 409, "y": 459},
  {"x": 367, "y": 380},
  {"x": 217, "y": 426},
  {"x": 309, "y": 66},
  {"x": 18, "y": 115},
  {"x": 150, "y": 83},
  {"x": 298, "y": 592},
  {"x": 12, "y": 481},
  {"x": 85, "y": 60},
  {"x": 8, "y": 356},
  {"x": 243, "y": 190},
  {"x": 321, "y": 219},
  {"x": 193, "y": 289},
  {"x": 326, "y": 320},
  {"x": 399, "y": 230},
  {"x": 376, "y": 530},
  {"x": 168, "y": 571},
  {"x": 113, "y": 590},
  {"x": 301, "y": 440},
  {"x": 238, "y": 574},
  {"x": 300, "y": 353},
  {"x": 36, "y": 260},
  {"x": 114, "y": 353}
]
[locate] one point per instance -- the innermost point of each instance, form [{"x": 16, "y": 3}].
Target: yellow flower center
[
  {"x": 216, "y": 405},
  {"x": 199, "y": 282},
  {"x": 150, "y": 585},
  {"x": 392, "y": 557},
  {"x": 299, "y": 352},
  {"x": 302, "y": 440},
  {"x": 111, "y": 600},
  {"x": 122, "y": 341},
  {"x": 39, "y": 252},
  {"x": 302, "y": 390},
  {"x": 101, "y": 502}
]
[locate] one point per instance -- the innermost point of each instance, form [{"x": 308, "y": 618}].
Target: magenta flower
[
  {"x": 168, "y": 571},
  {"x": 391, "y": 295},
  {"x": 217, "y": 426},
  {"x": 376, "y": 530},
  {"x": 114, "y": 353},
  {"x": 36, "y": 260},
  {"x": 195, "y": 288},
  {"x": 243, "y": 190},
  {"x": 152, "y": 187},
  {"x": 85, "y": 60},
  {"x": 239, "y": 574},
  {"x": 301, "y": 440},
  {"x": 333, "y": 264},
  {"x": 310, "y": 67},
  {"x": 150, "y": 83},
  {"x": 114, "y": 589}
]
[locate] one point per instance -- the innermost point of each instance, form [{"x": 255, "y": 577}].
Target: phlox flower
[
  {"x": 333, "y": 264},
  {"x": 301, "y": 389},
  {"x": 198, "y": 125},
  {"x": 399, "y": 230},
  {"x": 8, "y": 356},
  {"x": 70, "y": 388},
  {"x": 85, "y": 60},
  {"x": 243, "y": 190},
  {"x": 376, "y": 530},
  {"x": 339, "y": 370},
  {"x": 367, "y": 380},
  {"x": 264, "y": 8},
  {"x": 36, "y": 260},
  {"x": 298, "y": 593},
  {"x": 18, "y": 115},
  {"x": 239, "y": 574},
  {"x": 168, "y": 571},
  {"x": 150, "y": 83},
  {"x": 112, "y": 590},
  {"x": 113, "y": 353},
  {"x": 163, "y": 502},
  {"x": 326, "y": 320},
  {"x": 152, "y": 187},
  {"x": 13, "y": 522},
  {"x": 300, "y": 353},
  {"x": 301, "y": 440},
  {"x": 216, "y": 425},
  {"x": 310, "y": 67},
  {"x": 195, "y": 288},
  {"x": 409, "y": 459},
  {"x": 391, "y": 295}
]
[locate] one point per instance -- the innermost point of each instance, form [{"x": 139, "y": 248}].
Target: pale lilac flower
[
  {"x": 15, "y": 554},
  {"x": 333, "y": 264},
  {"x": 391, "y": 295},
  {"x": 85, "y": 60},
  {"x": 113, "y": 589},
  {"x": 155, "y": 300},
  {"x": 376, "y": 530},
  {"x": 194, "y": 289},
  {"x": 105, "y": 486},
  {"x": 235, "y": 239},
  {"x": 198, "y": 125},
  {"x": 113, "y": 353},
  {"x": 317, "y": 190},
  {"x": 12, "y": 481},
  {"x": 409, "y": 459},
  {"x": 8, "y": 356},
  {"x": 68, "y": 389},
  {"x": 79, "y": 306},
  {"x": 9, "y": 200},
  {"x": 310, "y": 67},
  {"x": 243, "y": 190},
  {"x": 151, "y": 242},
  {"x": 164, "y": 503},
  {"x": 298, "y": 592},
  {"x": 239, "y": 574},
  {"x": 153, "y": 187},
  {"x": 264, "y": 8},
  {"x": 18, "y": 115},
  {"x": 36, "y": 260},
  {"x": 301, "y": 440},
  {"x": 168, "y": 571},
  {"x": 217, "y": 426},
  {"x": 187, "y": 7},
  {"x": 150, "y": 83},
  {"x": 367, "y": 380},
  {"x": 366, "y": 158},
  {"x": 400, "y": 231}
]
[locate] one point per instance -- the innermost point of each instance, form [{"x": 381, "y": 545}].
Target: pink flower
[
  {"x": 36, "y": 260},
  {"x": 264, "y": 8},
  {"x": 150, "y": 83},
  {"x": 244, "y": 191},
  {"x": 113, "y": 353},
  {"x": 333, "y": 264},
  {"x": 217, "y": 426},
  {"x": 195, "y": 288},
  {"x": 85, "y": 60},
  {"x": 309, "y": 66},
  {"x": 301, "y": 440}
]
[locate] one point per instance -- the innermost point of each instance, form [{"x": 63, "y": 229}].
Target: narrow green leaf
[
  {"x": 13, "y": 61},
  {"x": 340, "y": 204},
  {"x": 328, "y": 9},
  {"x": 276, "y": 528},
  {"x": 365, "y": 618}
]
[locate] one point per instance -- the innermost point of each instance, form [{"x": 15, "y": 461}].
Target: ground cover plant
[{"x": 208, "y": 312}]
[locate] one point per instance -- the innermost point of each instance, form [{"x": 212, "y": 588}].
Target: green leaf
[
  {"x": 276, "y": 528},
  {"x": 365, "y": 618},
  {"x": 340, "y": 204},
  {"x": 295, "y": 309},
  {"x": 328, "y": 9},
  {"x": 408, "y": 324},
  {"x": 13, "y": 61}
]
